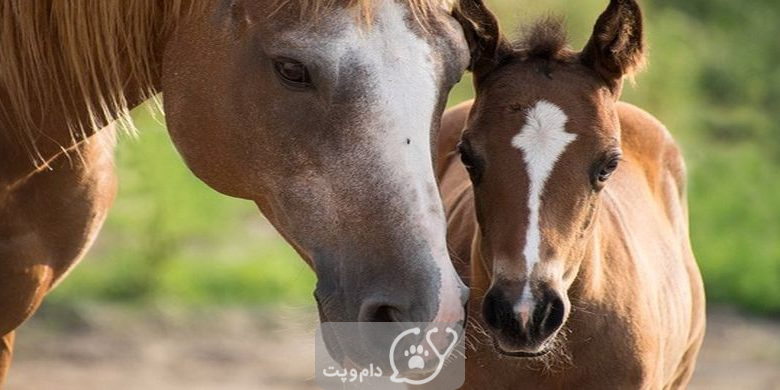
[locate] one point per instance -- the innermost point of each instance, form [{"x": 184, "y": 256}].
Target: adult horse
[
  {"x": 319, "y": 111},
  {"x": 572, "y": 208}
]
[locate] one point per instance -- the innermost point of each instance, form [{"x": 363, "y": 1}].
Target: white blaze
[
  {"x": 403, "y": 89},
  {"x": 408, "y": 88},
  {"x": 542, "y": 139}
]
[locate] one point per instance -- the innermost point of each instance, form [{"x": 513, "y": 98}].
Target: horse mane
[{"x": 79, "y": 55}]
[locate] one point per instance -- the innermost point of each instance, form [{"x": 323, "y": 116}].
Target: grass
[{"x": 712, "y": 80}]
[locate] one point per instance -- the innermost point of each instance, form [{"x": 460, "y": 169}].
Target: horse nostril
[
  {"x": 379, "y": 313},
  {"x": 384, "y": 314},
  {"x": 552, "y": 315}
]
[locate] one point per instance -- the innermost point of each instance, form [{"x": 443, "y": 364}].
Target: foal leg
[{"x": 6, "y": 350}]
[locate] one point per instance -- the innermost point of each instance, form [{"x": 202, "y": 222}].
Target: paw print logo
[
  {"x": 415, "y": 356},
  {"x": 416, "y": 361}
]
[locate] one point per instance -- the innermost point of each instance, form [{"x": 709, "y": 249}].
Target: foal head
[
  {"x": 322, "y": 111},
  {"x": 542, "y": 140}
]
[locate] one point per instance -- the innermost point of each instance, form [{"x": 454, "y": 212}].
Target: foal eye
[
  {"x": 469, "y": 161},
  {"x": 292, "y": 73}
]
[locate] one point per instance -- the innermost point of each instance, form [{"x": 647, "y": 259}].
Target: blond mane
[
  {"x": 80, "y": 55},
  {"x": 312, "y": 8}
]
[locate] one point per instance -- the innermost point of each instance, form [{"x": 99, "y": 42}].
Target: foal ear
[
  {"x": 616, "y": 48},
  {"x": 487, "y": 44}
]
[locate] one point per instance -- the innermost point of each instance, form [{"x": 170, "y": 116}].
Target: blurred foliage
[{"x": 712, "y": 79}]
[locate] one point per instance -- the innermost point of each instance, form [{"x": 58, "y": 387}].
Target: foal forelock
[{"x": 542, "y": 140}]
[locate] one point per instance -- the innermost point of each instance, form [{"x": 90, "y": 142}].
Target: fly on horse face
[
  {"x": 571, "y": 206},
  {"x": 322, "y": 112}
]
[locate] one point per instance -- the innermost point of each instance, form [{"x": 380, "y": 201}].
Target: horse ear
[
  {"x": 616, "y": 48},
  {"x": 486, "y": 42}
]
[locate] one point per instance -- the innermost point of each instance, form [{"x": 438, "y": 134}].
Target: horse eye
[
  {"x": 293, "y": 73},
  {"x": 607, "y": 169}
]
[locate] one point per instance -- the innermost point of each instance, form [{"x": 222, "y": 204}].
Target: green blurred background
[{"x": 713, "y": 79}]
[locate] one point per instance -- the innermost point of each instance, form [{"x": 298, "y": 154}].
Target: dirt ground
[{"x": 103, "y": 348}]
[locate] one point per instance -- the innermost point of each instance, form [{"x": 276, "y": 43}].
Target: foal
[{"x": 581, "y": 265}]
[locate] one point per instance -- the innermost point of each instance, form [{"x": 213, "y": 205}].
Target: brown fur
[
  {"x": 47, "y": 224},
  {"x": 619, "y": 256}
]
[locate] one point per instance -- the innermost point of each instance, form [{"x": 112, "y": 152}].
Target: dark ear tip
[
  {"x": 617, "y": 48},
  {"x": 624, "y": 9},
  {"x": 481, "y": 28}
]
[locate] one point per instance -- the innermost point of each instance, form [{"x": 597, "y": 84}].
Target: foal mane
[{"x": 544, "y": 39}]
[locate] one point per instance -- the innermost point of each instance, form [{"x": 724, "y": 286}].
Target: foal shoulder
[{"x": 649, "y": 142}]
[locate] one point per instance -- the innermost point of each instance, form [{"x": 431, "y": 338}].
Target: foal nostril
[
  {"x": 496, "y": 310},
  {"x": 551, "y": 315},
  {"x": 489, "y": 311}
]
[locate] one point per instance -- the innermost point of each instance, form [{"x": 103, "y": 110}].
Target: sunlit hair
[
  {"x": 80, "y": 55},
  {"x": 547, "y": 39},
  {"x": 312, "y": 8}
]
